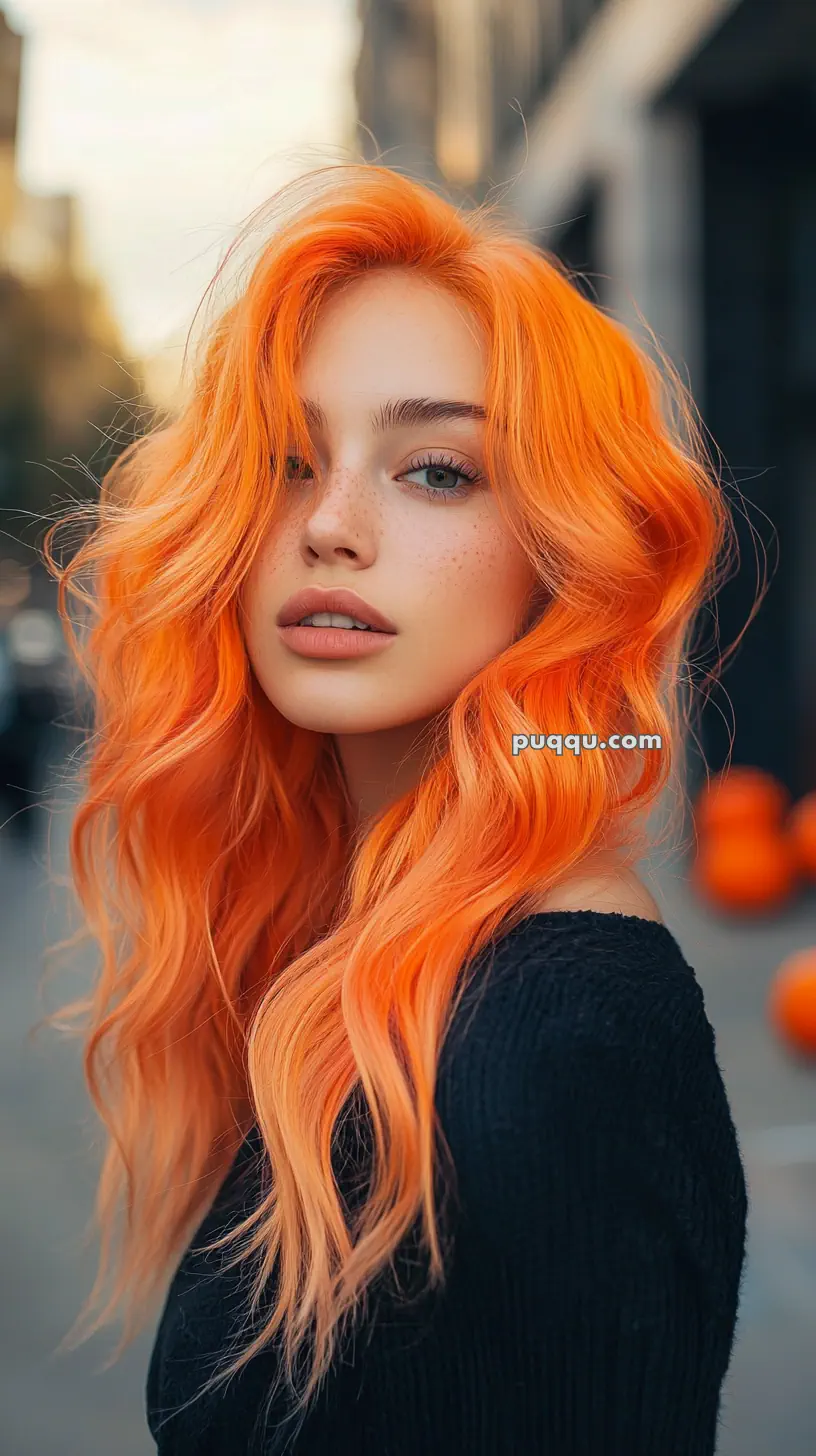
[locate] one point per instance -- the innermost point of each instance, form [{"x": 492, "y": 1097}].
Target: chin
[
  {"x": 351, "y": 718},
  {"x": 334, "y": 717}
]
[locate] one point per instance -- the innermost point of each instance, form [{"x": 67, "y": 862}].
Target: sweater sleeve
[{"x": 627, "y": 1262}]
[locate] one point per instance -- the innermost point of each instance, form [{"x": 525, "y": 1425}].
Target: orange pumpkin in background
[
  {"x": 792, "y": 1001},
  {"x": 801, "y": 827},
  {"x": 741, "y": 798},
  {"x": 748, "y": 870}
]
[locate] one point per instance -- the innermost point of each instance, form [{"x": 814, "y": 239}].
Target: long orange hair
[{"x": 261, "y": 960}]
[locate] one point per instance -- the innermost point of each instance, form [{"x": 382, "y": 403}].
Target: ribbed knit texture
[{"x": 596, "y": 1234}]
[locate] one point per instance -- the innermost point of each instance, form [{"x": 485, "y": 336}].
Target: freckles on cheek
[
  {"x": 442, "y": 572},
  {"x": 283, "y": 536},
  {"x": 468, "y": 571},
  {"x": 280, "y": 547}
]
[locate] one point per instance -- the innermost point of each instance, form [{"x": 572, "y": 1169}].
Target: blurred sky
[{"x": 171, "y": 120}]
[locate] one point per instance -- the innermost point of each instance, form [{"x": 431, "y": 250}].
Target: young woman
[{"x": 385, "y": 1020}]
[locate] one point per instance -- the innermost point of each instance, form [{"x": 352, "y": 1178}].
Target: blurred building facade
[
  {"x": 11, "y": 47},
  {"x": 62, "y": 358},
  {"x": 665, "y": 149}
]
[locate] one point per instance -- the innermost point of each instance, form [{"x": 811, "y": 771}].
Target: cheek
[
  {"x": 259, "y": 603},
  {"x": 261, "y": 593},
  {"x": 479, "y": 580}
]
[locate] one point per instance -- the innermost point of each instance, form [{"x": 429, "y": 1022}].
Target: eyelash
[
  {"x": 438, "y": 461},
  {"x": 444, "y": 462}
]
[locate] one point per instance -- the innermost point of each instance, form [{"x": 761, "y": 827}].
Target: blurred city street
[
  {"x": 662, "y": 152},
  {"x": 53, "y": 1405},
  {"x": 66, "y": 1405}
]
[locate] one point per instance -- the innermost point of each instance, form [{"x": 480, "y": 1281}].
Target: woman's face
[{"x": 390, "y": 515}]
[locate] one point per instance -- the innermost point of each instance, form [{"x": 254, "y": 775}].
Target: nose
[{"x": 340, "y": 522}]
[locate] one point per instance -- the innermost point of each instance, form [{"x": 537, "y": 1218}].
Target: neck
[{"x": 380, "y": 767}]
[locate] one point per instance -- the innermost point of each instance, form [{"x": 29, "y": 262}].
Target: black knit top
[{"x": 595, "y": 1235}]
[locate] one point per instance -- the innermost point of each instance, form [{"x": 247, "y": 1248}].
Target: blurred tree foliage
[{"x": 70, "y": 398}]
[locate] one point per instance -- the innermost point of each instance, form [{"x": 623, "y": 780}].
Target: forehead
[{"x": 394, "y": 333}]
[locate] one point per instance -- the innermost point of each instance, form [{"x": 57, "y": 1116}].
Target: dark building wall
[
  {"x": 577, "y": 244},
  {"x": 395, "y": 83},
  {"x": 752, "y": 87},
  {"x": 759, "y": 208}
]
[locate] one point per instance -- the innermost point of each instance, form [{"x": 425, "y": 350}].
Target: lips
[{"x": 320, "y": 599}]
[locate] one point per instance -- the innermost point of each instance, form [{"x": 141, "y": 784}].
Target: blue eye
[
  {"x": 434, "y": 466},
  {"x": 437, "y": 466}
]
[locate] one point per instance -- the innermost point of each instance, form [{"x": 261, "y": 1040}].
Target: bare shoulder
[{"x": 615, "y": 889}]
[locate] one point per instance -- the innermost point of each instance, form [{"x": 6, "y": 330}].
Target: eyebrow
[{"x": 399, "y": 413}]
